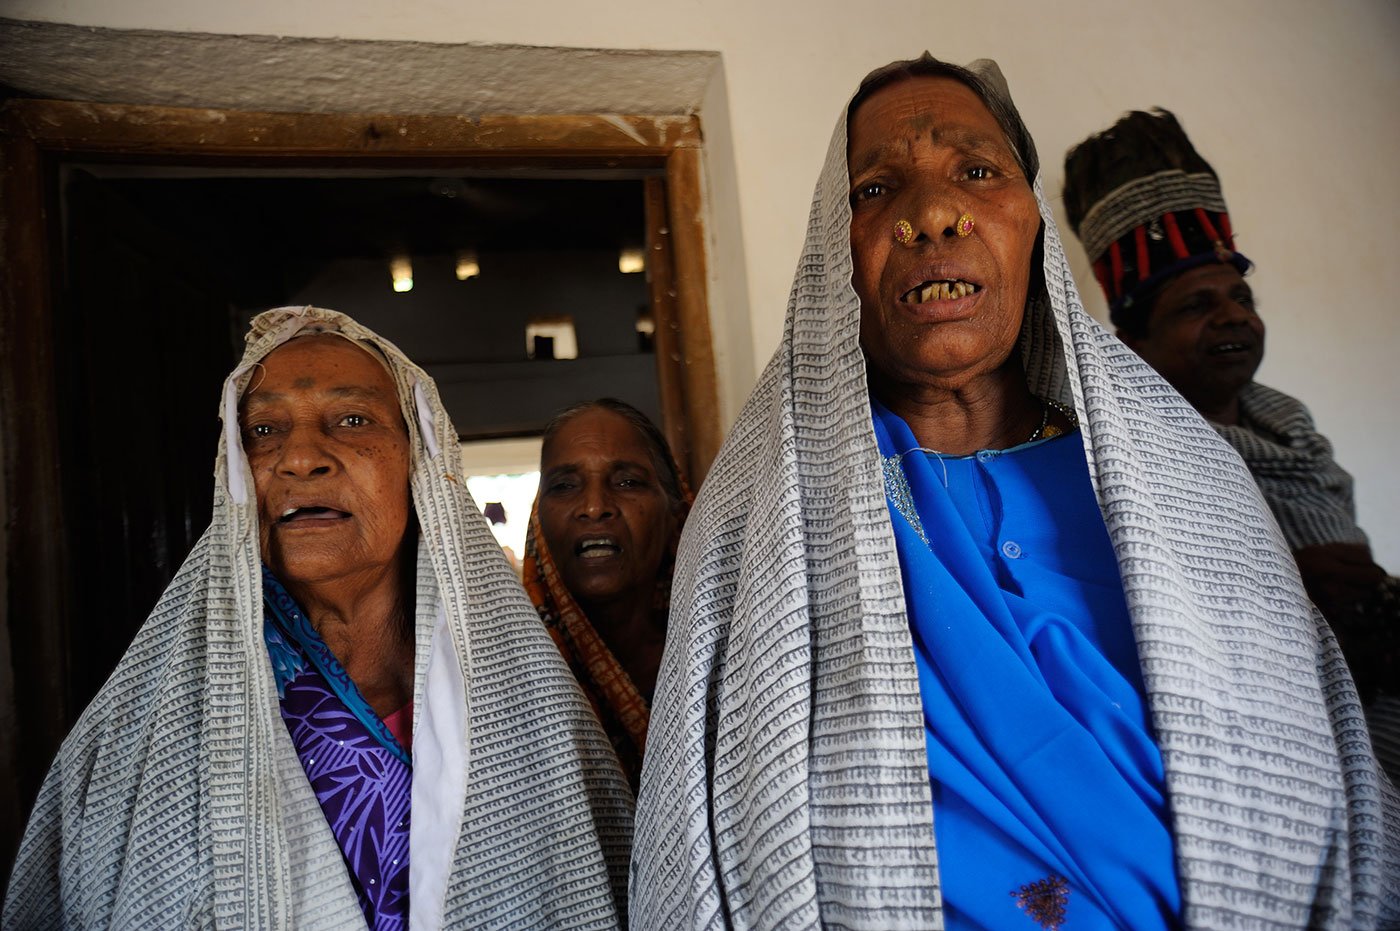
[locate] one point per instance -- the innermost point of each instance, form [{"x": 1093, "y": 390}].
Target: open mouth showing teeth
[
  {"x": 597, "y": 548},
  {"x": 1225, "y": 348},
  {"x": 946, "y": 290},
  {"x": 291, "y": 515}
]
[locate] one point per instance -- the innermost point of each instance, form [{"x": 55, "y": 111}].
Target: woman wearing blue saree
[{"x": 976, "y": 624}]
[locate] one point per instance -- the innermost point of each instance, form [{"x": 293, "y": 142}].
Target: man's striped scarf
[{"x": 1310, "y": 494}]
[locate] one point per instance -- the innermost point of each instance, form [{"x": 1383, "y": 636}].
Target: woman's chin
[
  {"x": 310, "y": 565},
  {"x": 599, "y": 588},
  {"x": 603, "y": 594},
  {"x": 943, "y": 364}
]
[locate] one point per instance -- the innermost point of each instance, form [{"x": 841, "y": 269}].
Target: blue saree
[
  {"x": 1048, "y": 792},
  {"x": 360, "y": 773}
]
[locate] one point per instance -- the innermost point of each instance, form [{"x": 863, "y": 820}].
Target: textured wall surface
[{"x": 312, "y": 75}]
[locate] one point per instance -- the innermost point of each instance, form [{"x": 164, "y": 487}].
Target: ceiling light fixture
[
  {"x": 630, "y": 261},
  {"x": 401, "y": 272},
  {"x": 467, "y": 265}
]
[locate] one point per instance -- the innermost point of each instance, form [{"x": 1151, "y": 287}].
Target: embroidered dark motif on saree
[{"x": 1044, "y": 901}]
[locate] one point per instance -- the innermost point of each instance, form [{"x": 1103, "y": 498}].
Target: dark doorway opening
[
  {"x": 486, "y": 257},
  {"x": 133, "y": 249}
]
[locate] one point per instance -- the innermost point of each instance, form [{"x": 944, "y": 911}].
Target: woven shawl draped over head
[
  {"x": 178, "y": 800},
  {"x": 785, "y": 783}
]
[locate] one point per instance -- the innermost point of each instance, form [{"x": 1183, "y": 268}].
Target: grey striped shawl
[
  {"x": 178, "y": 800},
  {"x": 785, "y": 783},
  {"x": 1309, "y": 493}
]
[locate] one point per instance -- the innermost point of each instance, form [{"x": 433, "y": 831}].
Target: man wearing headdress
[{"x": 1151, "y": 215}]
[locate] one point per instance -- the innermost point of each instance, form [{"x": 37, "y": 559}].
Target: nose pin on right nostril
[{"x": 904, "y": 232}]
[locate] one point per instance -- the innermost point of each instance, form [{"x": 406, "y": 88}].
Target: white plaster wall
[{"x": 1295, "y": 102}]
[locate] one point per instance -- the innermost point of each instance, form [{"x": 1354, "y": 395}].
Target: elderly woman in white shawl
[
  {"x": 344, "y": 711},
  {"x": 976, "y": 623}
]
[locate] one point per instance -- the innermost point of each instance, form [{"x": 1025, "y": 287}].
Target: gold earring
[
  {"x": 904, "y": 232},
  {"x": 964, "y": 226}
]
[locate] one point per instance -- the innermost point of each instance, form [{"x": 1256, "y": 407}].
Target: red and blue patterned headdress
[{"x": 1147, "y": 207}]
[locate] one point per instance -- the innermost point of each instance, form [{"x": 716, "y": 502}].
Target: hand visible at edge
[
  {"x": 1361, "y": 606},
  {"x": 1338, "y": 575}
]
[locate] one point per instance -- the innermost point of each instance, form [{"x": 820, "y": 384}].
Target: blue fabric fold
[
  {"x": 1041, "y": 756},
  {"x": 362, "y": 777},
  {"x": 293, "y": 644}
]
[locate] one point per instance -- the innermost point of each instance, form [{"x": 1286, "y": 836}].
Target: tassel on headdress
[{"x": 1147, "y": 207}]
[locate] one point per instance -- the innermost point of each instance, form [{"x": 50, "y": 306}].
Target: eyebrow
[
  {"x": 954, "y": 137},
  {"x": 969, "y": 140},
  {"x": 614, "y": 464},
  {"x": 878, "y": 154},
  {"x": 1233, "y": 291},
  {"x": 354, "y": 392}
]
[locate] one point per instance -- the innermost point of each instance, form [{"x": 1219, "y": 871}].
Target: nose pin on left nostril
[{"x": 904, "y": 232}]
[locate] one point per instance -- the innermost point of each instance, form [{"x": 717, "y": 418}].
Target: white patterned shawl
[
  {"x": 785, "y": 783},
  {"x": 178, "y": 800}
]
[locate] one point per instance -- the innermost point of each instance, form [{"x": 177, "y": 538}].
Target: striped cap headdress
[{"x": 1147, "y": 207}]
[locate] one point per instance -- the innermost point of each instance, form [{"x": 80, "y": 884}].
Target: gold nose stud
[
  {"x": 904, "y": 232},
  {"x": 964, "y": 225}
]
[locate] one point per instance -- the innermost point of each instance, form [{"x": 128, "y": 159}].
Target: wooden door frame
[{"x": 38, "y": 136}]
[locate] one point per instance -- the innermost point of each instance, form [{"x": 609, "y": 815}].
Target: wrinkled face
[
  {"x": 941, "y": 309},
  {"x": 604, "y": 514},
  {"x": 329, "y": 453},
  {"x": 1204, "y": 335}
]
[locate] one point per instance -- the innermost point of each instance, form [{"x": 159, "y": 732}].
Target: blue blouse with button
[{"x": 1048, "y": 791}]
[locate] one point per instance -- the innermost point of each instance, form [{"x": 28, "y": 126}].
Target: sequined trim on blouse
[{"x": 900, "y": 494}]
